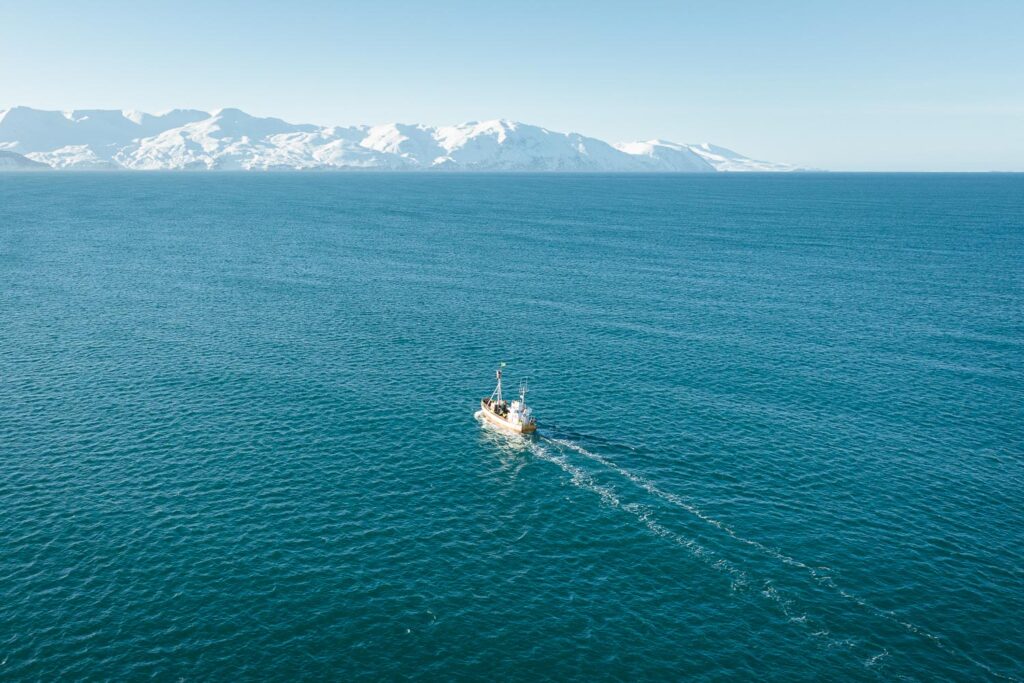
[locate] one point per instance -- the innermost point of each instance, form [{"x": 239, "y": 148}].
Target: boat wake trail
[
  {"x": 821, "y": 576},
  {"x": 818, "y": 573},
  {"x": 740, "y": 581},
  {"x": 584, "y": 480}
]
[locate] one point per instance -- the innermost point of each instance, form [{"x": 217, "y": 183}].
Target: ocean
[{"x": 781, "y": 427}]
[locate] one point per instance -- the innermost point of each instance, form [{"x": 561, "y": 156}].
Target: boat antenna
[{"x": 497, "y": 390}]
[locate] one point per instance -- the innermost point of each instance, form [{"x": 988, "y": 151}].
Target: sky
[{"x": 852, "y": 85}]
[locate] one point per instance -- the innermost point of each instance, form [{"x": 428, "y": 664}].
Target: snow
[
  {"x": 231, "y": 139},
  {"x": 727, "y": 160},
  {"x": 416, "y": 144},
  {"x": 703, "y": 157},
  {"x": 73, "y": 157},
  {"x": 103, "y": 131},
  {"x": 510, "y": 145},
  {"x": 668, "y": 157},
  {"x": 12, "y": 161}
]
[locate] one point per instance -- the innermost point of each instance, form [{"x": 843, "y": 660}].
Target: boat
[{"x": 515, "y": 416}]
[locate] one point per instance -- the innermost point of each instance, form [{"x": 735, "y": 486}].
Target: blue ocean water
[{"x": 781, "y": 427}]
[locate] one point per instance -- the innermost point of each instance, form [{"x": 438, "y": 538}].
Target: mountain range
[{"x": 230, "y": 139}]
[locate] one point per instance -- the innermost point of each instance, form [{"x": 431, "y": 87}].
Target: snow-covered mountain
[
  {"x": 727, "y": 160},
  {"x": 230, "y": 139},
  {"x": 668, "y": 156},
  {"x": 12, "y": 161}
]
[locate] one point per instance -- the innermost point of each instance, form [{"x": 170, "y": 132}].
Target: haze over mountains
[{"x": 230, "y": 139}]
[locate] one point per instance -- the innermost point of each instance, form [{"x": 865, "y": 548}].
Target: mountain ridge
[
  {"x": 12, "y": 161},
  {"x": 231, "y": 139}
]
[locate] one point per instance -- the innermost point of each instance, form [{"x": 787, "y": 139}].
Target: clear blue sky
[{"x": 857, "y": 85}]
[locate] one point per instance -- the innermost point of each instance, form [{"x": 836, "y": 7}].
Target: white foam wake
[
  {"x": 672, "y": 498},
  {"x": 820, "y": 574},
  {"x": 584, "y": 480}
]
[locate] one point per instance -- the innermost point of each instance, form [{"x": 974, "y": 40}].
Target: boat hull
[{"x": 499, "y": 421}]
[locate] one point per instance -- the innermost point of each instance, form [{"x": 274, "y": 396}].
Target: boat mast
[{"x": 497, "y": 390}]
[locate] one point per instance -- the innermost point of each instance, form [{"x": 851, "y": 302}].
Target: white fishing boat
[{"x": 515, "y": 416}]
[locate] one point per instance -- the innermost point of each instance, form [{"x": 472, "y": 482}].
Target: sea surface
[{"x": 781, "y": 427}]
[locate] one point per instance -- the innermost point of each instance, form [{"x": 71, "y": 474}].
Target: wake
[
  {"x": 584, "y": 480},
  {"x": 820, "y": 575},
  {"x": 673, "y": 499}
]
